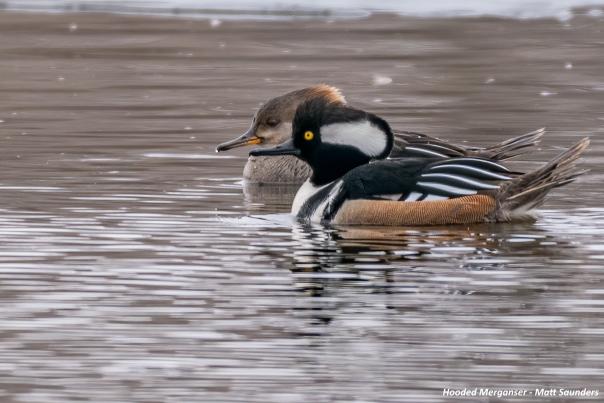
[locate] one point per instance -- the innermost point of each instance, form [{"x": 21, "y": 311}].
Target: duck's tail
[
  {"x": 519, "y": 196},
  {"x": 512, "y": 147}
]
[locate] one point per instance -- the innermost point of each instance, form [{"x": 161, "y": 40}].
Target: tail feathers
[
  {"x": 512, "y": 147},
  {"x": 524, "y": 193},
  {"x": 410, "y": 144}
]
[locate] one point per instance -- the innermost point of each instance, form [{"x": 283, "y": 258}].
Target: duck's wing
[
  {"x": 416, "y": 180},
  {"x": 410, "y": 144}
]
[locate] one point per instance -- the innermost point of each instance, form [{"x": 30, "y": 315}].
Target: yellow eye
[{"x": 308, "y": 135}]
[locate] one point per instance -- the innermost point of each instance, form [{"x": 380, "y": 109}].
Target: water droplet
[
  {"x": 568, "y": 66},
  {"x": 188, "y": 128},
  {"x": 547, "y": 93},
  {"x": 73, "y": 27},
  {"x": 564, "y": 15},
  {"x": 381, "y": 80}
]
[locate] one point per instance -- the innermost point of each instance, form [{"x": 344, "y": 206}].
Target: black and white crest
[
  {"x": 364, "y": 135},
  {"x": 339, "y": 125}
]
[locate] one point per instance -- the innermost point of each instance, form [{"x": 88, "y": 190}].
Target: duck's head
[
  {"x": 333, "y": 139},
  {"x": 272, "y": 124}
]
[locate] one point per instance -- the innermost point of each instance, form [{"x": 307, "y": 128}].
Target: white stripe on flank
[
  {"x": 360, "y": 134},
  {"x": 435, "y": 197},
  {"x": 413, "y": 196},
  {"x": 475, "y": 184},
  {"x": 394, "y": 197},
  {"x": 446, "y": 188},
  {"x": 483, "y": 161},
  {"x": 428, "y": 152},
  {"x": 472, "y": 169}
]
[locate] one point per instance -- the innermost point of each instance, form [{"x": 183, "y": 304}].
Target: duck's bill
[
  {"x": 246, "y": 139},
  {"x": 286, "y": 148}
]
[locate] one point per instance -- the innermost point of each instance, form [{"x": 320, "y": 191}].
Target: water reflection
[
  {"x": 422, "y": 258},
  {"x": 230, "y": 299}
]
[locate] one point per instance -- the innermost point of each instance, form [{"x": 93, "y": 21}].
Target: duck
[
  {"x": 352, "y": 182},
  {"x": 272, "y": 125}
]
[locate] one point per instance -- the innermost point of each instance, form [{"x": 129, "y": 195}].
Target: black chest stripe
[{"x": 313, "y": 202}]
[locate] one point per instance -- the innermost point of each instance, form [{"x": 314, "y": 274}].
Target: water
[{"x": 136, "y": 266}]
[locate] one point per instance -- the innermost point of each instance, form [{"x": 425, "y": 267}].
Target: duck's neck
[{"x": 331, "y": 163}]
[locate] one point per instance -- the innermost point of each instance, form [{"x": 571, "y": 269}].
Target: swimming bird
[
  {"x": 272, "y": 124},
  {"x": 352, "y": 183}
]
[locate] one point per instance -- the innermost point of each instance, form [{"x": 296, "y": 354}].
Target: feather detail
[
  {"x": 462, "y": 210},
  {"x": 522, "y": 194},
  {"x": 410, "y": 144}
]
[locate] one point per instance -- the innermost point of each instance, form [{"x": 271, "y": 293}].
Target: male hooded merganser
[
  {"x": 273, "y": 121},
  {"x": 352, "y": 183}
]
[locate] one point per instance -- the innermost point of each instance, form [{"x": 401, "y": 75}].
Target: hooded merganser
[
  {"x": 352, "y": 183},
  {"x": 273, "y": 122}
]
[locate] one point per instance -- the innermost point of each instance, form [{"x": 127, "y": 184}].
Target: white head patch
[{"x": 363, "y": 135}]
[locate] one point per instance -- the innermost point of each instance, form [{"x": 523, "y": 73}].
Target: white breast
[{"x": 306, "y": 191}]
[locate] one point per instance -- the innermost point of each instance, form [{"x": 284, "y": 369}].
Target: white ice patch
[
  {"x": 361, "y": 134},
  {"x": 333, "y": 9}
]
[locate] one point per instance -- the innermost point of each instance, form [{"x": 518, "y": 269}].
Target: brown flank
[{"x": 462, "y": 210}]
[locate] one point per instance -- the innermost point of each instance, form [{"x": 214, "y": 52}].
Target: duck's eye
[
  {"x": 308, "y": 135},
  {"x": 271, "y": 122}
]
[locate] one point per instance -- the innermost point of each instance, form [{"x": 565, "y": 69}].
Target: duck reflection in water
[{"x": 402, "y": 260}]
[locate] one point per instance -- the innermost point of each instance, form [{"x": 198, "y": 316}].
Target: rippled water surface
[{"x": 135, "y": 266}]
